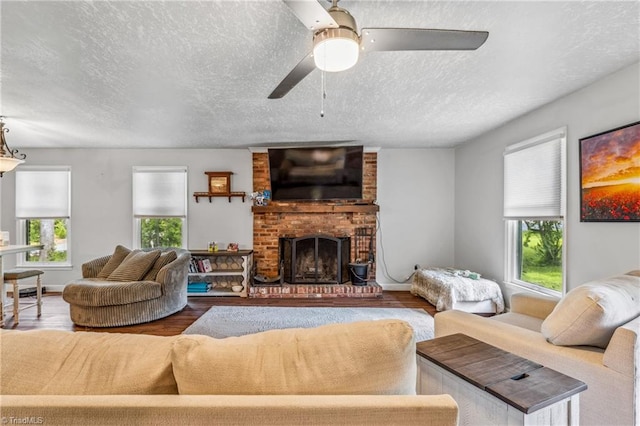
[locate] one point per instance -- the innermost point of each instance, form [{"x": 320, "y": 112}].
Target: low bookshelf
[{"x": 216, "y": 273}]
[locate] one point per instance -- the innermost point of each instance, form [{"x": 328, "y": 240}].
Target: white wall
[
  {"x": 594, "y": 250},
  {"x": 431, "y": 200},
  {"x": 415, "y": 193},
  {"x": 101, "y": 199}
]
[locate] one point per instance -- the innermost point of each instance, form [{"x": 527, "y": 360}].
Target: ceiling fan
[{"x": 337, "y": 44}]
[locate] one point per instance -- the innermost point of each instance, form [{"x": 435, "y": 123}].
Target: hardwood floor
[{"x": 55, "y": 311}]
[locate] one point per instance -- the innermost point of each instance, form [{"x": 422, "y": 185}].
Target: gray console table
[{"x": 495, "y": 387}]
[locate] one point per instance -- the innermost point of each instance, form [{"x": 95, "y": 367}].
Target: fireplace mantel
[{"x": 315, "y": 208}]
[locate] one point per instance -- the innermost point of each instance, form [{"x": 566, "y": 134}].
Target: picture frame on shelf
[
  {"x": 219, "y": 185},
  {"x": 219, "y": 182},
  {"x": 610, "y": 175}
]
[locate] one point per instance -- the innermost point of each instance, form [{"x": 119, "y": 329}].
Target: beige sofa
[
  {"x": 360, "y": 373},
  {"x": 129, "y": 287},
  {"x": 611, "y": 372}
]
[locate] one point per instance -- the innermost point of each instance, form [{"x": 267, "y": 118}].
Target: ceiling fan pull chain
[{"x": 323, "y": 95}]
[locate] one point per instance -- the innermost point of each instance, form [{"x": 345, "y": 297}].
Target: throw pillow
[
  {"x": 589, "y": 314},
  {"x": 163, "y": 260},
  {"x": 367, "y": 358},
  {"x": 116, "y": 259},
  {"x": 56, "y": 362},
  {"x": 134, "y": 266}
]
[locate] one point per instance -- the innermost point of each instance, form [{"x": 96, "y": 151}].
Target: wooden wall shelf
[
  {"x": 301, "y": 208},
  {"x": 219, "y": 184},
  {"x": 210, "y": 195}
]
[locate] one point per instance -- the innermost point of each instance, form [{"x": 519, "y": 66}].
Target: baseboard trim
[{"x": 396, "y": 286}]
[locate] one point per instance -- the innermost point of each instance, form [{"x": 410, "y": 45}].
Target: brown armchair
[{"x": 97, "y": 302}]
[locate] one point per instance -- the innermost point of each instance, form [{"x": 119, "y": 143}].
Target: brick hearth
[
  {"x": 306, "y": 291},
  {"x": 290, "y": 219}
]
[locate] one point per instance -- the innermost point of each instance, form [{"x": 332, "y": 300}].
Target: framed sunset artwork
[{"x": 610, "y": 175}]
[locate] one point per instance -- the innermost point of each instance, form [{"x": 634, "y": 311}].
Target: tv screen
[{"x": 324, "y": 173}]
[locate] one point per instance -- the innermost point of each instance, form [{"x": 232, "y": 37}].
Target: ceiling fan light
[{"x": 336, "y": 49}]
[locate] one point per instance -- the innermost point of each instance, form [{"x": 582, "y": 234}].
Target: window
[
  {"x": 534, "y": 209},
  {"x": 160, "y": 206},
  {"x": 43, "y": 213}
]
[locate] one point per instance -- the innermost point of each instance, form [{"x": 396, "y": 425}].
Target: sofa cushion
[
  {"x": 519, "y": 320},
  {"x": 56, "y": 362},
  {"x": 164, "y": 259},
  {"x": 116, "y": 259},
  {"x": 369, "y": 357},
  {"x": 134, "y": 266},
  {"x": 589, "y": 314}
]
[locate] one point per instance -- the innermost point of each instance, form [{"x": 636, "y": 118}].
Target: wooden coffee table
[{"x": 496, "y": 387}]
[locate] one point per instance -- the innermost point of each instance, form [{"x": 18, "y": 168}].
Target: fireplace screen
[{"x": 315, "y": 259}]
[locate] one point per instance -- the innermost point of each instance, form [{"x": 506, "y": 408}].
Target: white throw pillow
[
  {"x": 367, "y": 357},
  {"x": 589, "y": 314}
]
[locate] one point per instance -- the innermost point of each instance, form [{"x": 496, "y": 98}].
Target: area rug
[{"x": 227, "y": 321}]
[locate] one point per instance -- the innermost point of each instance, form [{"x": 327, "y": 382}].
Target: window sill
[
  {"x": 47, "y": 267},
  {"x": 531, "y": 289}
]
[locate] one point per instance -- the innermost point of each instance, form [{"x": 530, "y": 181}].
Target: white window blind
[
  {"x": 160, "y": 191},
  {"x": 534, "y": 177},
  {"x": 43, "y": 193}
]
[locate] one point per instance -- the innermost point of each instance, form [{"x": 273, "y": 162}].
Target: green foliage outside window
[
  {"x": 541, "y": 258},
  {"x": 52, "y": 234},
  {"x": 161, "y": 232}
]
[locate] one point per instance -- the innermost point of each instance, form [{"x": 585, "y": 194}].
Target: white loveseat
[
  {"x": 360, "y": 373},
  {"x": 611, "y": 372}
]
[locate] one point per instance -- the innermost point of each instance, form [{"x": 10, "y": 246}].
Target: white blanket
[{"x": 443, "y": 287}]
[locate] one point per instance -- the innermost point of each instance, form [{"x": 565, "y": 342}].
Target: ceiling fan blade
[
  {"x": 311, "y": 14},
  {"x": 300, "y": 71},
  {"x": 387, "y": 39}
]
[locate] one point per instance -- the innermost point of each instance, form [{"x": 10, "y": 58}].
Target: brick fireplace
[{"x": 292, "y": 220}]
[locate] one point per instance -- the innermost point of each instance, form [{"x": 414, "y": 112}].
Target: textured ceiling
[{"x": 197, "y": 74}]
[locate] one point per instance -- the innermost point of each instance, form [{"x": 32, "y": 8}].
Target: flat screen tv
[{"x": 321, "y": 173}]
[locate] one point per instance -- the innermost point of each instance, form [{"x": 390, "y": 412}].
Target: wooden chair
[{"x": 12, "y": 278}]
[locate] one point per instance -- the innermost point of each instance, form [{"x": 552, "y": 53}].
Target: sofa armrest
[
  {"x": 623, "y": 351},
  {"x": 536, "y": 306},
  {"x": 92, "y": 268},
  {"x": 175, "y": 272},
  {"x": 158, "y": 410},
  {"x": 599, "y": 404}
]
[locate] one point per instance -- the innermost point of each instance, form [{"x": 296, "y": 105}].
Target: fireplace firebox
[{"x": 315, "y": 259}]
